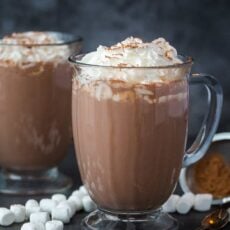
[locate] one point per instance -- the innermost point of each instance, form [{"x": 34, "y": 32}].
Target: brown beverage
[
  {"x": 35, "y": 95},
  {"x": 130, "y": 151}
]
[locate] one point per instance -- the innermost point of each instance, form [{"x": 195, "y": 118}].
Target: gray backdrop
[{"x": 198, "y": 28}]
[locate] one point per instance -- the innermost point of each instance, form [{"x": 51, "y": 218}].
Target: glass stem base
[
  {"x": 111, "y": 221},
  {"x": 33, "y": 182}
]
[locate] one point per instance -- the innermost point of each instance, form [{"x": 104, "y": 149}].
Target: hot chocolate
[
  {"x": 35, "y": 95},
  {"x": 35, "y": 107},
  {"x": 35, "y": 115},
  {"x": 130, "y": 124},
  {"x": 130, "y": 151}
]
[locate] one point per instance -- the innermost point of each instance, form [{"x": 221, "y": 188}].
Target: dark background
[{"x": 199, "y": 28}]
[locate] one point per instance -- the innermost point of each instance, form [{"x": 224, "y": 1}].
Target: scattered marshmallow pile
[
  {"x": 48, "y": 214},
  {"x": 52, "y": 214},
  {"x": 183, "y": 204}
]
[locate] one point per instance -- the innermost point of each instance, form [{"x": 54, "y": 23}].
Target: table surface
[{"x": 187, "y": 222}]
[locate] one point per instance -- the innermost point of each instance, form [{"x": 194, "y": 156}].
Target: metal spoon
[{"x": 215, "y": 220}]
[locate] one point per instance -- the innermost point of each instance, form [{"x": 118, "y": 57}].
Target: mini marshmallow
[
  {"x": 185, "y": 203},
  {"x": 83, "y": 190},
  {"x": 54, "y": 225},
  {"x": 203, "y": 202},
  {"x": 170, "y": 205},
  {"x": 58, "y": 197},
  {"x": 47, "y": 205},
  {"x": 30, "y": 210},
  {"x": 88, "y": 204},
  {"x": 76, "y": 201},
  {"x": 32, "y": 206},
  {"x": 31, "y": 203},
  {"x": 61, "y": 214},
  {"x": 6, "y": 217},
  {"x": 78, "y": 193},
  {"x": 41, "y": 217},
  {"x": 19, "y": 212},
  {"x": 70, "y": 205},
  {"x": 33, "y": 226}
]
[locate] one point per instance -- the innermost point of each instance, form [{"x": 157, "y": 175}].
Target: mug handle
[{"x": 211, "y": 120}]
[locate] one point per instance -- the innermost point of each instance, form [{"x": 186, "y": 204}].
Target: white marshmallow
[
  {"x": 30, "y": 210},
  {"x": 54, "y": 225},
  {"x": 88, "y": 204},
  {"x": 170, "y": 205},
  {"x": 73, "y": 207},
  {"x": 76, "y": 201},
  {"x": 61, "y": 213},
  {"x": 32, "y": 206},
  {"x": 70, "y": 205},
  {"x": 6, "y": 217},
  {"x": 203, "y": 202},
  {"x": 31, "y": 203},
  {"x": 19, "y": 212},
  {"x": 58, "y": 197},
  {"x": 79, "y": 194},
  {"x": 33, "y": 226},
  {"x": 41, "y": 217},
  {"x": 83, "y": 190},
  {"x": 47, "y": 205},
  {"x": 185, "y": 203}
]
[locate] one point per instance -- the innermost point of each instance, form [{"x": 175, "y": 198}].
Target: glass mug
[
  {"x": 130, "y": 139},
  {"x": 35, "y": 121}
]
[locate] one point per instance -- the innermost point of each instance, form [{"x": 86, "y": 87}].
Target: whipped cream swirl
[
  {"x": 133, "y": 52},
  {"x": 31, "y": 47}
]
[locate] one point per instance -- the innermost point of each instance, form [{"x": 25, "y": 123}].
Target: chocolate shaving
[{"x": 168, "y": 54}]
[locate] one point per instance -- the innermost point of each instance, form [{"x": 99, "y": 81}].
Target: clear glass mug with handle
[{"x": 130, "y": 139}]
